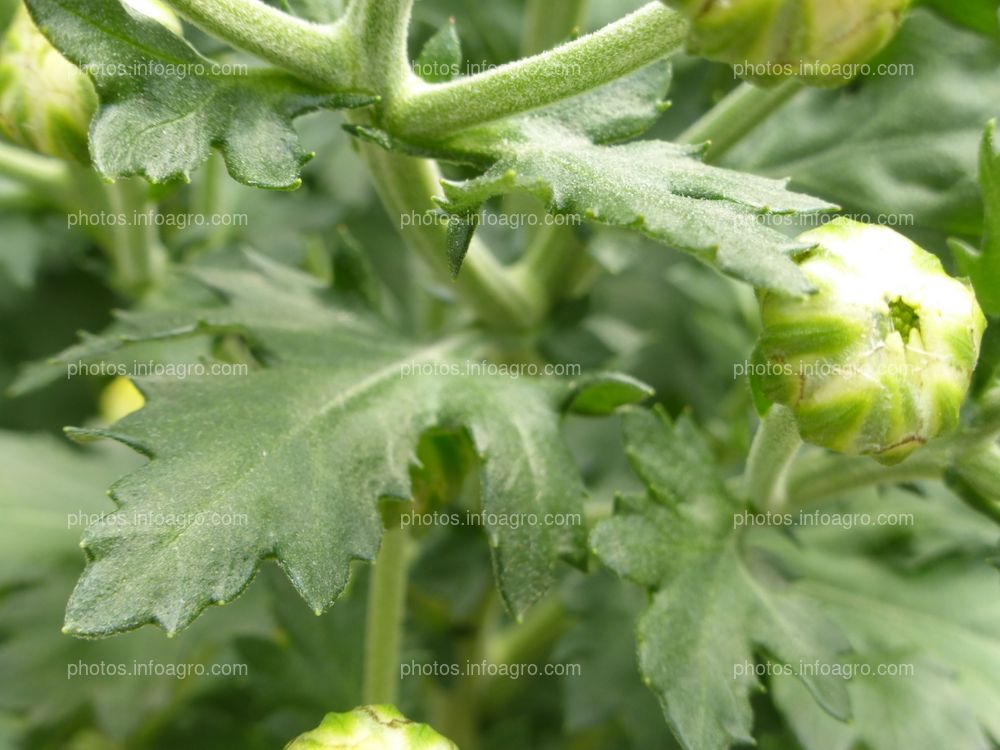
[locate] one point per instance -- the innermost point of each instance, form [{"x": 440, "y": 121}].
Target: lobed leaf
[
  {"x": 164, "y": 106},
  {"x": 293, "y": 458},
  {"x": 716, "y": 602}
]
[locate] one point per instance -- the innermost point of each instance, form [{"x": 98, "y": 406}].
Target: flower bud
[
  {"x": 45, "y": 102},
  {"x": 370, "y": 728},
  {"x": 818, "y": 41},
  {"x": 879, "y": 359}
]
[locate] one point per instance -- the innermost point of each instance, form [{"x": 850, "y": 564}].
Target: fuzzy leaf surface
[{"x": 297, "y": 453}]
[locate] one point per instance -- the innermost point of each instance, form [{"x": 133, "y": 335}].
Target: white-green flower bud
[
  {"x": 819, "y": 41},
  {"x": 878, "y": 361},
  {"x": 45, "y": 101},
  {"x": 370, "y": 728}
]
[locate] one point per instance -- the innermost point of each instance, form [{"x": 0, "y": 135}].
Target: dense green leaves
[
  {"x": 291, "y": 459},
  {"x": 568, "y": 156},
  {"x": 717, "y": 604},
  {"x": 164, "y": 106}
]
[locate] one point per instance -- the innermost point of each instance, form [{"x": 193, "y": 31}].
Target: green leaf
[
  {"x": 983, "y": 266},
  {"x": 978, "y": 15},
  {"x": 569, "y": 155},
  {"x": 298, "y": 453},
  {"x": 897, "y": 149},
  {"x": 441, "y": 57},
  {"x": 936, "y": 617},
  {"x": 603, "y": 394},
  {"x": 716, "y": 602},
  {"x": 164, "y": 106}
]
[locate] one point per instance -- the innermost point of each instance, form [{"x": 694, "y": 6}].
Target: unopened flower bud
[
  {"x": 45, "y": 101},
  {"x": 370, "y": 728},
  {"x": 818, "y": 41},
  {"x": 878, "y": 361}
]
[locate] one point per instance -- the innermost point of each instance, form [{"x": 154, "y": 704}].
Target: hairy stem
[
  {"x": 380, "y": 28},
  {"x": 555, "y": 265},
  {"x": 640, "y": 38},
  {"x": 771, "y": 456},
  {"x": 320, "y": 54},
  {"x": 386, "y": 612},
  {"x": 743, "y": 109},
  {"x": 828, "y": 474}
]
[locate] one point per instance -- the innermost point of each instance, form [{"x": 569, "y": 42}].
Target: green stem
[
  {"x": 743, "y": 109},
  {"x": 828, "y": 474},
  {"x": 321, "y": 54},
  {"x": 380, "y": 28},
  {"x": 528, "y": 641},
  {"x": 648, "y": 34},
  {"x": 771, "y": 456},
  {"x": 133, "y": 245},
  {"x": 548, "y": 23},
  {"x": 405, "y": 186},
  {"x": 555, "y": 265},
  {"x": 44, "y": 174},
  {"x": 386, "y": 612}
]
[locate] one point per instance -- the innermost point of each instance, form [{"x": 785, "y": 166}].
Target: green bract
[
  {"x": 45, "y": 102},
  {"x": 819, "y": 41},
  {"x": 370, "y": 728},
  {"x": 879, "y": 360}
]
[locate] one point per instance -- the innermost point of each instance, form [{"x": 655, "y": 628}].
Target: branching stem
[
  {"x": 321, "y": 54},
  {"x": 648, "y": 34}
]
